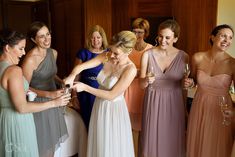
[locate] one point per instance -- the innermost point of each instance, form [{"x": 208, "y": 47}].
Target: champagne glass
[
  {"x": 66, "y": 89},
  {"x": 186, "y": 72},
  {"x": 150, "y": 74},
  {"x": 224, "y": 106}
]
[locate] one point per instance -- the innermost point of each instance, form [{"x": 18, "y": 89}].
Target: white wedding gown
[{"x": 110, "y": 129}]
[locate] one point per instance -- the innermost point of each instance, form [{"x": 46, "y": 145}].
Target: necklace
[{"x": 140, "y": 46}]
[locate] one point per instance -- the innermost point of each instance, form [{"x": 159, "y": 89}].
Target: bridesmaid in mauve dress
[
  {"x": 163, "y": 124},
  {"x": 134, "y": 95},
  {"x": 213, "y": 70}
]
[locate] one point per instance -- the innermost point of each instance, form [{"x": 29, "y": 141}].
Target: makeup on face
[
  {"x": 43, "y": 38},
  {"x": 166, "y": 37},
  {"x": 225, "y": 34},
  {"x": 17, "y": 51},
  {"x": 96, "y": 40},
  {"x": 138, "y": 31}
]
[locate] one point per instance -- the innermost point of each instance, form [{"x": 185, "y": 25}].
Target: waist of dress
[
  {"x": 213, "y": 91},
  {"x": 91, "y": 78},
  {"x": 121, "y": 97},
  {"x": 50, "y": 85},
  {"x": 158, "y": 84}
]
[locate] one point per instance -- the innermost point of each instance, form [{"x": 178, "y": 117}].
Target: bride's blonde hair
[{"x": 125, "y": 40}]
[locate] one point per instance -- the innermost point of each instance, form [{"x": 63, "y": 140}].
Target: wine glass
[
  {"x": 150, "y": 74},
  {"x": 66, "y": 89},
  {"x": 224, "y": 106},
  {"x": 186, "y": 72}
]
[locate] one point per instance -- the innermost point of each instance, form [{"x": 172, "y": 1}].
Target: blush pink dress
[{"x": 207, "y": 136}]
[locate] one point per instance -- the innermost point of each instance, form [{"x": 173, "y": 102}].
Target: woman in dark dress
[{"x": 96, "y": 43}]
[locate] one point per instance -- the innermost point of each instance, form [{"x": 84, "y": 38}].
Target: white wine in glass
[
  {"x": 186, "y": 70},
  {"x": 224, "y": 106}
]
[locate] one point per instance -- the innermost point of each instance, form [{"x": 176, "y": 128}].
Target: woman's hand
[
  {"x": 56, "y": 93},
  {"x": 150, "y": 79},
  {"x": 69, "y": 80},
  {"x": 188, "y": 83},
  {"x": 62, "y": 100},
  {"x": 228, "y": 113},
  {"x": 79, "y": 86}
]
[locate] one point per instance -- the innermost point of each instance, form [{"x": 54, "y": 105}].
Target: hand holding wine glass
[
  {"x": 186, "y": 72},
  {"x": 67, "y": 90},
  {"x": 150, "y": 74},
  {"x": 225, "y": 110}
]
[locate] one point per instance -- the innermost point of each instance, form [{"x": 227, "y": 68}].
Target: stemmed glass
[
  {"x": 186, "y": 71},
  {"x": 224, "y": 106},
  {"x": 66, "y": 89},
  {"x": 150, "y": 74}
]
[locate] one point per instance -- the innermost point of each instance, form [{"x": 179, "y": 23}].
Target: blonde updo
[{"x": 125, "y": 40}]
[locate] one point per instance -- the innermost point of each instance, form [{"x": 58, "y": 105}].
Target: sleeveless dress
[
  {"x": 110, "y": 129},
  {"x": 207, "y": 136},
  {"x": 134, "y": 95},
  {"x": 50, "y": 124},
  {"x": 163, "y": 124},
  {"x": 88, "y": 76},
  {"x": 17, "y": 131}
]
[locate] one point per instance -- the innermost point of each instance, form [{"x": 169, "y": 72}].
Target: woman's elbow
[
  {"x": 111, "y": 97},
  {"x": 21, "y": 109}
]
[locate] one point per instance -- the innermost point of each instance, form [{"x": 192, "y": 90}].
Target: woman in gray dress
[{"x": 39, "y": 68}]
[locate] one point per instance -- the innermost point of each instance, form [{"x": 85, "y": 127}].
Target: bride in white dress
[{"x": 110, "y": 129}]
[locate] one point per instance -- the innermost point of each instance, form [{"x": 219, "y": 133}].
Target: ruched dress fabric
[
  {"x": 50, "y": 124},
  {"x": 110, "y": 129},
  {"x": 207, "y": 136},
  {"x": 163, "y": 124},
  {"x": 88, "y": 76},
  {"x": 17, "y": 130}
]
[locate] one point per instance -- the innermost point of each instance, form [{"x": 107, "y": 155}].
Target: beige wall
[{"x": 226, "y": 15}]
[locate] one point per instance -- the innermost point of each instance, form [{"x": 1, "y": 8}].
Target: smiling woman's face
[
  {"x": 117, "y": 54},
  {"x": 17, "y": 51},
  {"x": 96, "y": 40},
  {"x": 223, "y": 39},
  {"x": 166, "y": 38},
  {"x": 43, "y": 38}
]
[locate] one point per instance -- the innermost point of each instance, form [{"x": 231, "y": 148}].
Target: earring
[{"x": 156, "y": 41}]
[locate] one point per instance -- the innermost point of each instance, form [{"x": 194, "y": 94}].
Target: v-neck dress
[
  {"x": 163, "y": 123},
  {"x": 110, "y": 128}
]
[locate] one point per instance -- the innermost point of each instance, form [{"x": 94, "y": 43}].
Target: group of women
[
  {"x": 128, "y": 86},
  {"x": 156, "y": 102},
  {"x": 22, "y": 133}
]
